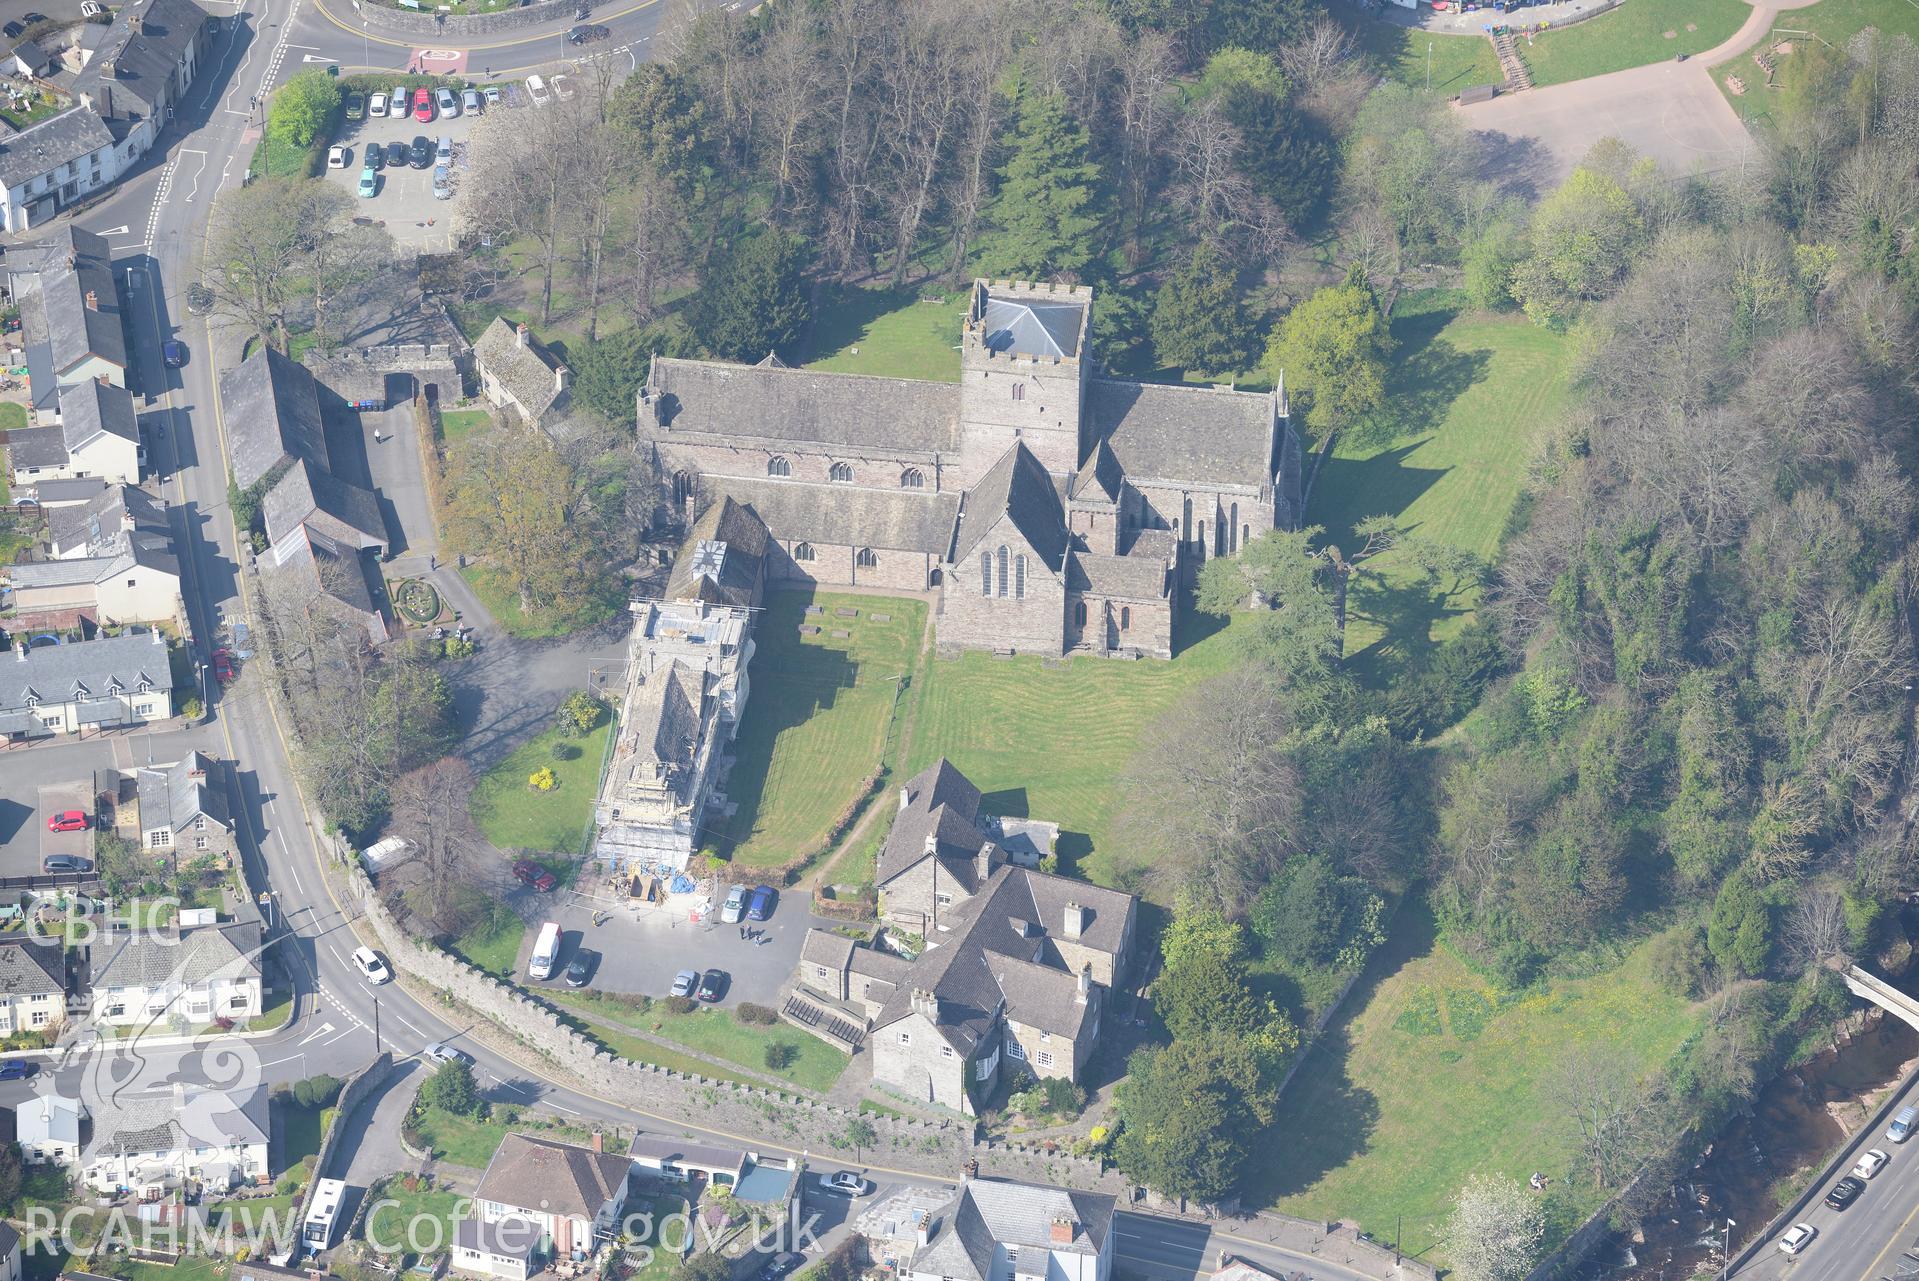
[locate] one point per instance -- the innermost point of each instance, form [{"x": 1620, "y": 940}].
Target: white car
[
  {"x": 1797, "y": 1238},
  {"x": 536, "y": 90},
  {"x": 398, "y": 105},
  {"x": 376, "y": 106},
  {"x": 441, "y": 1052},
  {"x": 1873, "y": 1161},
  {"x": 843, "y": 1181},
  {"x": 734, "y": 907},
  {"x": 563, "y": 85},
  {"x": 371, "y": 967},
  {"x": 336, "y": 157}
]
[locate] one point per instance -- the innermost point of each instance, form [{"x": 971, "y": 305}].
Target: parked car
[
  {"x": 223, "y": 661},
  {"x": 579, "y": 971},
  {"x": 395, "y": 155},
  {"x": 17, "y": 1069},
  {"x": 536, "y": 90},
  {"x": 685, "y": 983},
  {"x": 174, "y": 352},
  {"x": 442, "y": 183},
  {"x": 375, "y": 156},
  {"x": 1871, "y": 1162},
  {"x": 66, "y": 863},
  {"x": 369, "y": 182},
  {"x": 13, "y": 29},
  {"x": 1797, "y": 1238},
  {"x": 759, "y": 904},
  {"x": 67, "y": 821},
  {"x": 371, "y": 967},
  {"x": 423, "y": 106},
  {"x": 443, "y": 150},
  {"x": 587, "y": 33},
  {"x": 1845, "y": 1192},
  {"x": 376, "y": 108},
  {"x": 448, "y": 103},
  {"x": 734, "y": 907},
  {"x": 562, "y": 85},
  {"x": 781, "y": 1265},
  {"x": 470, "y": 102},
  {"x": 843, "y": 1181},
  {"x": 534, "y": 876},
  {"x": 397, "y": 104},
  {"x": 493, "y": 95},
  {"x": 337, "y": 157},
  {"x": 712, "y": 986},
  {"x": 441, "y": 1052},
  {"x": 356, "y": 106}
]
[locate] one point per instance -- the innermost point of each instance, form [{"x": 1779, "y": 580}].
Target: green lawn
[
  {"x": 1432, "y": 1077},
  {"x": 1408, "y": 56},
  {"x": 895, "y": 333},
  {"x": 460, "y": 1139},
  {"x": 815, "y": 1066},
  {"x": 1050, "y": 742},
  {"x": 1834, "y": 21},
  {"x": 455, "y": 423},
  {"x": 821, "y": 705},
  {"x": 301, "y": 1130},
  {"x": 1468, "y": 397},
  {"x": 630, "y": 1045},
  {"x": 661, "y": 1217},
  {"x": 493, "y": 942},
  {"x": 513, "y": 816},
  {"x": 1632, "y": 35},
  {"x": 504, "y": 605},
  {"x": 412, "y": 1219},
  {"x": 268, "y": 1216},
  {"x": 13, "y": 416}
]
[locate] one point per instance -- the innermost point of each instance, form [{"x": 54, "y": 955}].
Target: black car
[
  {"x": 13, "y": 29},
  {"x": 375, "y": 157},
  {"x": 781, "y": 1264},
  {"x": 580, "y": 972},
  {"x": 587, "y": 33},
  {"x": 1845, "y": 1192},
  {"x": 422, "y": 152},
  {"x": 712, "y": 985},
  {"x": 199, "y": 299},
  {"x": 395, "y": 154}
]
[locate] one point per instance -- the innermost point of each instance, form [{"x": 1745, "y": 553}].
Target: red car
[
  {"x": 532, "y": 874},
  {"x": 423, "y": 106},
  {"x": 67, "y": 821},
  {"x": 222, "y": 665}
]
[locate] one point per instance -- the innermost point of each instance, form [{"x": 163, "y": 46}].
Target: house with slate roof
[
  {"x": 184, "y": 811},
  {"x": 994, "y": 1230},
  {"x": 174, "y": 1139},
  {"x": 98, "y": 434},
  {"x": 33, "y": 985},
  {"x": 145, "y": 978},
  {"x": 113, "y": 561},
  {"x": 84, "y": 685},
  {"x": 517, "y": 373},
  {"x": 540, "y": 1199},
  {"x": 1053, "y": 510},
  {"x": 1017, "y": 966}
]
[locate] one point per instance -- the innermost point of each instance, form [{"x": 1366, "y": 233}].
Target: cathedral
[{"x": 1048, "y": 508}]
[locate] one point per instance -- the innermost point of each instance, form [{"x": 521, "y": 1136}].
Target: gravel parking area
[
  {"x": 55, "y": 798},
  {"x": 403, "y": 200}
]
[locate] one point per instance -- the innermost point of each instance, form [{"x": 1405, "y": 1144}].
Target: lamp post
[
  {"x": 1429, "y": 66},
  {"x": 1725, "y": 1256}
]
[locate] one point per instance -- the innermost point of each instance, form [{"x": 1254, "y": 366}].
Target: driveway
[{"x": 57, "y": 798}]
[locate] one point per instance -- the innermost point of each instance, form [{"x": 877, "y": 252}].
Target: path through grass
[{"x": 513, "y": 816}]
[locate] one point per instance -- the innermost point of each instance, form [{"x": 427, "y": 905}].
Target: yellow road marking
[
  {"x": 436, "y": 41},
  {"x": 1897, "y": 1237}
]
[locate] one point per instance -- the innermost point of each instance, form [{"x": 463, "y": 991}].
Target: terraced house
[
  {"x": 147, "y": 978},
  {"x": 33, "y": 986}
]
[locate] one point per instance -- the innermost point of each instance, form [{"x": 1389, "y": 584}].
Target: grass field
[
  {"x": 1468, "y": 397},
  {"x": 820, "y": 710},
  {"x": 1050, "y": 742},
  {"x": 456, "y": 423},
  {"x": 301, "y": 1130},
  {"x": 460, "y": 1139},
  {"x": 504, "y": 605},
  {"x": 415, "y": 1222},
  {"x": 512, "y": 815},
  {"x": 1456, "y": 62},
  {"x": 1835, "y": 22},
  {"x": 493, "y": 942},
  {"x": 815, "y": 1066},
  {"x": 895, "y": 333},
  {"x": 1632, "y": 35},
  {"x": 1431, "y": 1077}
]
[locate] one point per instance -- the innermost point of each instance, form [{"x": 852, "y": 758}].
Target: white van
[
  {"x": 546, "y": 952},
  {"x": 536, "y": 90},
  {"x": 1901, "y": 1128}
]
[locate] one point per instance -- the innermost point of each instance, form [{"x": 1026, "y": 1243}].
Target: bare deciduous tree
[
  {"x": 1618, "y": 1115},
  {"x": 1816, "y": 926}
]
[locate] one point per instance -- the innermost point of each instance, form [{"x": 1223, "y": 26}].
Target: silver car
[
  {"x": 686, "y": 982},
  {"x": 448, "y": 104},
  {"x": 398, "y": 105}
]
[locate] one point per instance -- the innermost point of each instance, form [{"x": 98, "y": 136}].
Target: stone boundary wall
[
  {"x": 459, "y": 26},
  {"x": 361, "y": 373},
  {"x": 352, "y": 1094}
]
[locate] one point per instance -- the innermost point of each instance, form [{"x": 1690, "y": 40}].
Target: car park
[
  {"x": 66, "y": 863},
  {"x": 536, "y": 90},
  {"x": 579, "y": 971},
  {"x": 337, "y": 157},
  {"x": 471, "y": 103},
  {"x": 395, "y": 155},
  {"x": 1797, "y": 1238},
  {"x": 448, "y": 104},
  {"x": 174, "y": 353},
  {"x": 369, "y": 183},
  {"x": 356, "y": 106},
  {"x": 376, "y": 107},
  {"x": 712, "y": 986},
  {"x": 533, "y": 876},
  {"x": 371, "y": 967},
  {"x": 16, "y": 1069},
  {"x": 423, "y": 106},
  {"x": 843, "y": 1181},
  {"x": 685, "y": 983},
  {"x": 759, "y": 905},
  {"x": 734, "y": 907},
  {"x": 67, "y": 821},
  {"x": 1845, "y": 1192},
  {"x": 441, "y": 1052},
  {"x": 397, "y": 104},
  {"x": 1871, "y": 1162},
  {"x": 422, "y": 152}
]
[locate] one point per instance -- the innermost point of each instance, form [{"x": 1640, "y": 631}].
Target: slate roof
[
  {"x": 1201, "y": 434},
  {"x": 75, "y": 330},
  {"x": 1099, "y": 478},
  {"x": 91, "y": 409},
  {"x": 562, "y": 1178},
  {"x": 779, "y": 404},
  {"x": 53, "y": 494},
  {"x": 723, "y": 558},
  {"x": 171, "y": 797},
  {"x": 41, "y": 148},
  {"x": 666, "y": 1150},
  {"x": 1141, "y": 577},
  {"x": 146, "y": 1123},
  {"x": 1018, "y": 1216},
  {"x": 310, "y": 495},
  {"x": 54, "y": 673},
  {"x": 507, "y": 1239},
  {"x": 954, "y": 837},
  {"x": 272, "y": 410},
  {"x": 823, "y": 947},
  {"x": 98, "y": 527},
  {"x": 28, "y": 968},
  {"x": 145, "y": 959},
  {"x": 941, "y": 783},
  {"x": 36, "y": 447},
  {"x": 1016, "y": 486},
  {"x": 1033, "y": 328},
  {"x": 141, "y": 60},
  {"x": 891, "y": 520},
  {"x": 339, "y": 570},
  {"x": 528, "y": 373}
]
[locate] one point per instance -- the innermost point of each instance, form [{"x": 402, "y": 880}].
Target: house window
[
  {"x": 944, "y": 900},
  {"x": 1019, "y": 577},
  {"x": 819, "y": 971},
  {"x": 986, "y": 573},
  {"x": 1019, "y": 391},
  {"x": 199, "y": 842},
  {"x": 912, "y": 478},
  {"x": 1125, "y": 617},
  {"x": 132, "y": 582},
  {"x": 1044, "y": 1058},
  {"x": 840, "y": 472},
  {"x": 1002, "y": 570},
  {"x": 946, "y": 1051},
  {"x": 116, "y": 1011},
  {"x": 777, "y": 466},
  {"x": 1079, "y": 613},
  {"x": 906, "y": 1038},
  {"x": 162, "y": 837},
  {"x": 200, "y": 823},
  {"x": 39, "y": 1018},
  {"x": 865, "y": 559},
  {"x": 803, "y": 551},
  {"x": 1014, "y": 1050}
]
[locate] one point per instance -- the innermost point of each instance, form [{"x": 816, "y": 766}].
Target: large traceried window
[
  {"x": 840, "y": 472},
  {"x": 778, "y": 466},
  {"x": 865, "y": 559},
  {"x": 912, "y": 478},
  {"x": 803, "y": 551}
]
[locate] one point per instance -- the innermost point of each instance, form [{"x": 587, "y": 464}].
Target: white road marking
[{"x": 316, "y": 1033}]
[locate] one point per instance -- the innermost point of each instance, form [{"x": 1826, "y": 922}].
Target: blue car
[
  {"x": 15, "y": 1070},
  {"x": 759, "y": 905}
]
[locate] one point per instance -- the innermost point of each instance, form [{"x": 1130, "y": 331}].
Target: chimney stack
[
  {"x": 1063, "y": 1231},
  {"x": 523, "y": 336},
  {"x": 137, "y": 24},
  {"x": 923, "y": 1235},
  {"x": 562, "y": 378},
  {"x": 93, "y": 301},
  {"x": 599, "y": 1140},
  {"x": 1075, "y": 920},
  {"x": 985, "y": 858},
  {"x": 1085, "y": 983},
  {"x": 20, "y": 648}
]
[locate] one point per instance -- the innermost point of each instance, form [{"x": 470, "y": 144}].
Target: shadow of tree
[
  {"x": 1351, "y": 489},
  {"x": 1429, "y": 373},
  {"x": 1407, "y": 614}
]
